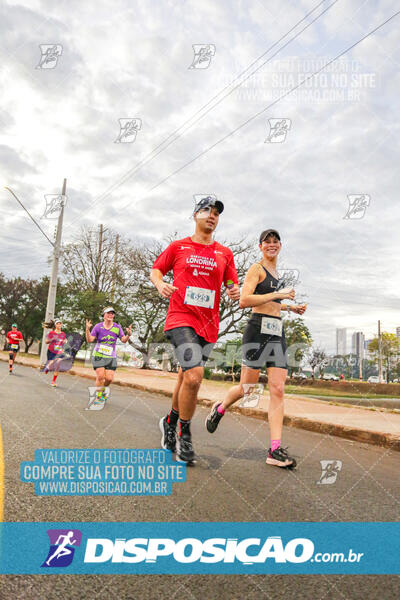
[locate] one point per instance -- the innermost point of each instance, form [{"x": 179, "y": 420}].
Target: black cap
[
  {"x": 268, "y": 232},
  {"x": 209, "y": 201}
]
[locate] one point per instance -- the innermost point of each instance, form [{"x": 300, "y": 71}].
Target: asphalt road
[{"x": 229, "y": 483}]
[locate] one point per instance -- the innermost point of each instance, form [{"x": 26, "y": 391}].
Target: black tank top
[{"x": 267, "y": 285}]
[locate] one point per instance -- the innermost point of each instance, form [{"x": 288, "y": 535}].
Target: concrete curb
[{"x": 376, "y": 438}]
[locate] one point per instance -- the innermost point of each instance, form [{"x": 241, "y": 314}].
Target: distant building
[
  {"x": 367, "y": 353},
  {"x": 341, "y": 335},
  {"x": 398, "y": 332},
  {"x": 357, "y": 344}
]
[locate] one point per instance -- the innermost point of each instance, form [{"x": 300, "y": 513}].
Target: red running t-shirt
[
  {"x": 199, "y": 272},
  {"x": 14, "y": 337},
  {"x": 56, "y": 341}
]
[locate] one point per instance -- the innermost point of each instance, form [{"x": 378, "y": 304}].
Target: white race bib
[
  {"x": 15, "y": 346},
  {"x": 199, "y": 297},
  {"x": 105, "y": 350},
  {"x": 271, "y": 326},
  {"x": 57, "y": 347}
]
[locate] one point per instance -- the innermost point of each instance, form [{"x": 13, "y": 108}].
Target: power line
[
  {"x": 152, "y": 154},
  {"x": 29, "y": 214},
  {"x": 250, "y": 119}
]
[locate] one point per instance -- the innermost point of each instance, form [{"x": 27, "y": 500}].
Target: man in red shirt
[
  {"x": 200, "y": 266},
  {"x": 14, "y": 337}
]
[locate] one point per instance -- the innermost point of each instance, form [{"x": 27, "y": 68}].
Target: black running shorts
[
  {"x": 15, "y": 350},
  {"x": 261, "y": 349},
  {"x": 191, "y": 350}
]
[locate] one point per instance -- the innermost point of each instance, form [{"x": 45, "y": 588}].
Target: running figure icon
[{"x": 62, "y": 549}]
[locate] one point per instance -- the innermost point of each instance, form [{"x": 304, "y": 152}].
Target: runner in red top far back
[
  {"x": 14, "y": 337},
  {"x": 200, "y": 266}
]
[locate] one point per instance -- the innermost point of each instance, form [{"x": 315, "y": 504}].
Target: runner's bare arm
[
  {"x": 298, "y": 308},
  {"x": 249, "y": 299},
  {"x": 165, "y": 289},
  {"x": 125, "y": 338},
  {"x": 89, "y": 338}
]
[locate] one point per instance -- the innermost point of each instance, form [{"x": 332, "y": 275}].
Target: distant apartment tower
[
  {"x": 367, "y": 353},
  {"x": 341, "y": 335},
  {"x": 398, "y": 332},
  {"x": 357, "y": 344}
]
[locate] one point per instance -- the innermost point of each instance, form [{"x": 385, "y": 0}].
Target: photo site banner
[{"x": 200, "y": 548}]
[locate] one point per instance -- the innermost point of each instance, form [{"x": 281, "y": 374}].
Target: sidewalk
[{"x": 380, "y": 426}]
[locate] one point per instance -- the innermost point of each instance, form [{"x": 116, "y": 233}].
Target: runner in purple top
[
  {"x": 104, "y": 357},
  {"x": 106, "y": 339}
]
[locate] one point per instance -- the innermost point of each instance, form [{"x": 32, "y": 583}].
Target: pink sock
[
  {"x": 275, "y": 444},
  {"x": 220, "y": 410}
]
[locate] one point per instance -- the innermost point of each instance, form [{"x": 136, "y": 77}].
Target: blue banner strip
[{"x": 230, "y": 548}]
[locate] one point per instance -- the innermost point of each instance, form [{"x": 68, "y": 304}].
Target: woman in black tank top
[
  {"x": 268, "y": 285},
  {"x": 263, "y": 345}
]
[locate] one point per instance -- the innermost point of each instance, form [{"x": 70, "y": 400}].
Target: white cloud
[{"x": 131, "y": 60}]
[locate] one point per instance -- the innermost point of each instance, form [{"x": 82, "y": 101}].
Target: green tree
[
  {"x": 95, "y": 261},
  {"x": 227, "y": 355},
  {"x": 96, "y": 274},
  {"x": 23, "y": 301},
  {"x": 298, "y": 339},
  {"x": 12, "y": 298},
  {"x": 35, "y": 309},
  {"x": 369, "y": 368},
  {"x": 143, "y": 305},
  {"x": 390, "y": 348},
  {"x": 317, "y": 358},
  {"x": 81, "y": 305}
]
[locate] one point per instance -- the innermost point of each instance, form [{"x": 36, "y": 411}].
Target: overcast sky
[{"x": 130, "y": 59}]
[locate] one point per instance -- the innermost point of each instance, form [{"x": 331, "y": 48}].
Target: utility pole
[
  {"x": 380, "y": 375},
  {"x": 51, "y": 296},
  {"x": 98, "y": 266},
  {"x": 114, "y": 274}
]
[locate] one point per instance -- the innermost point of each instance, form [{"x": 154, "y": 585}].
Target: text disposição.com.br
[{"x": 213, "y": 550}]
